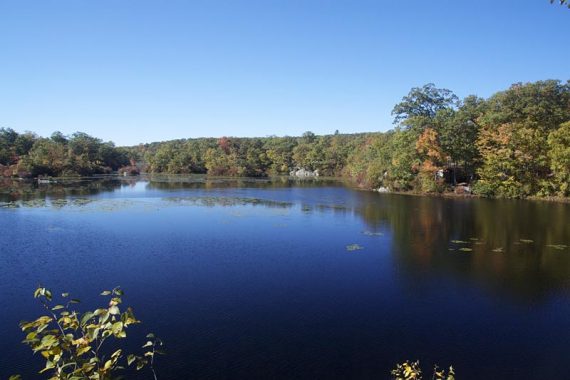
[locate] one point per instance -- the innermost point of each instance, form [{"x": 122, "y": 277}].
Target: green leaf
[
  {"x": 140, "y": 364},
  {"x": 117, "y": 327},
  {"x": 83, "y": 350},
  {"x": 130, "y": 359},
  {"x": 106, "y": 293},
  {"x": 49, "y": 365},
  {"x": 116, "y": 354},
  {"x": 86, "y": 317},
  {"x": 57, "y": 307}
]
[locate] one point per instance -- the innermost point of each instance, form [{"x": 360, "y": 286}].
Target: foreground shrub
[
  {"x": 79, "y": 346},
  {"x": 412, "y": 371}
]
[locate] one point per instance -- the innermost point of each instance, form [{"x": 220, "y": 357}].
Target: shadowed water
[{"x": 284, "y": 279}]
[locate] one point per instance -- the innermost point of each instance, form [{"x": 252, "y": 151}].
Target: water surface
[{"x": 296, "y": 279}]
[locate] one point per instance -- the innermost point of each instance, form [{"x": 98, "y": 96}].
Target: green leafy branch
[
  {"x": 73, "y": 344},
  {"x": 412, "y": 371}
]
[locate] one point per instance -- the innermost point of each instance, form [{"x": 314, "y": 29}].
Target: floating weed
[
  {"x": 34, "y": 203},
  {"x": 58, "y": 203},
  {"x": 474, "y": 239},
  {"x": 527, "y": 241},
  {"x": 464, "y": 249},
  {"x": 559, "y": 247},
  {"x": 226, "y": 201},
  {"x": 354, "y": 247},
  {"x": 371, "y": 233},
  {"x": 81, "y": 201},
  {"x": 9, "y": 205},
  {"x": 460, "y": 242},
  {"x": 498, "y": 250}
]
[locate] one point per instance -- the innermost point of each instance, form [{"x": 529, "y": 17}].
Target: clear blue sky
[{"x": 136, "y": 71}]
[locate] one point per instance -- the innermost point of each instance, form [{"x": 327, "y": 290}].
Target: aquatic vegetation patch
[
  {"x": 226, "y": 201},
  {"x": 460, "y": 242},
  {"x": 354, "y": 247},
  {"x": 9, "y": 205},
  {"x": 465, "y": 249},
  {"x": 526, "y": 241},
  {"x": 81, "y": 201},
  {"x": 59, "y": 203},
  {"x": 498, "y": 250},
  {"x": 34, "y": 203}
]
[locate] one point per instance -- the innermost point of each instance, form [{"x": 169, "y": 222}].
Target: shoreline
[{"x": 69, "y": 180}]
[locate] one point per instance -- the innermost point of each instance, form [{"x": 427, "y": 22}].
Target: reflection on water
[
  {"x": 282, "y": 278},
  {"x": 519, "y": 247}
]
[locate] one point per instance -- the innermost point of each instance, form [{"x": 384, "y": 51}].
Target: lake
[{"x": 280, "y": 279}]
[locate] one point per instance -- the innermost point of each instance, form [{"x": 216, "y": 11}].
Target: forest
[{"x": 514, "y": 144}]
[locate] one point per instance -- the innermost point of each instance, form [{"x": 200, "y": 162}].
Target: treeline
[
  {"x": 514, "y": 144},
  {"x": 28, "y": 155},
  {"x": 254, "y": 157}
]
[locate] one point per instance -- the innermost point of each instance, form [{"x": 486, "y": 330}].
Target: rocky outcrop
[
  {"x": 301, "y": 172},
  {"x": 462, "y": 188}
]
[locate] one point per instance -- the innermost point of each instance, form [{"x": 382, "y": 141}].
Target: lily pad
[
  {"x": 465, "y": 249},
  {"x": 460, "y": 242},
  {"x": 354, "y": 247},
  {"x": 527, "y": 241}
]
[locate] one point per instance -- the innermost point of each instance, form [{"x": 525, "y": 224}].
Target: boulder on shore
[
  {"x": 462, "y": 188},
  {"x": 304, "y": 173}
]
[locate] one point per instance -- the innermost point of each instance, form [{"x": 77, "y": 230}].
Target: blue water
[{"x": 248, "y": 280}]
